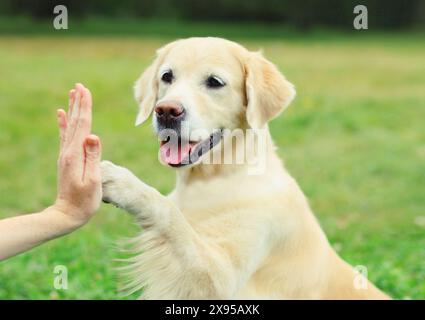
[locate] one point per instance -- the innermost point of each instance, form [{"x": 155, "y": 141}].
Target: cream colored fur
[{"x": 222, "y": 233}]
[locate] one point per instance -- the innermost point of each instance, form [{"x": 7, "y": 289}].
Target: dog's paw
[
  {"x": 123, "y": 189},
  {"x": 117, "y": 184}
]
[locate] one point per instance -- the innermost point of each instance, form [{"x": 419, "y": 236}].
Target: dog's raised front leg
[{"x": 173, "y": 260}]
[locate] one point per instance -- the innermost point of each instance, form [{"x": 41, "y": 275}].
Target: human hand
[{"x": 79, "y": 177}]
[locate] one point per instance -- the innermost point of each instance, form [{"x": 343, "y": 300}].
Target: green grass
[{"x": 354, "y": 139}]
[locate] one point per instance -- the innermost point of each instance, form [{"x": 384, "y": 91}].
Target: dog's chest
[
  {"x": 202, "y": 204},
  {"x": 212, "y": 198}
]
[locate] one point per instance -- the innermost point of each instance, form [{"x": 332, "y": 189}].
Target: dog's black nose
[{"x": 169, "y": 111}]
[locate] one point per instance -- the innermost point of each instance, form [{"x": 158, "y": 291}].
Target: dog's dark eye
[
  {"x": 167, "y": 76},
  {"x": 214, "y": 82}
]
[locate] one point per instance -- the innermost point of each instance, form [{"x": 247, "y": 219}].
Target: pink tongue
[{"x": 174, "y": 154}]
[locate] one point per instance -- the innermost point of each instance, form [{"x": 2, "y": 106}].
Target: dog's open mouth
[{"x": 180, "y": 153}]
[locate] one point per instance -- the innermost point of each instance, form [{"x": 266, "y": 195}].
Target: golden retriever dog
[{"x": 229, "y": 230}]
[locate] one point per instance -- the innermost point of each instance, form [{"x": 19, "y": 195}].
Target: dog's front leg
[
  {"x": 173, "y": 261},
  {"x": 169, "y": 262}
]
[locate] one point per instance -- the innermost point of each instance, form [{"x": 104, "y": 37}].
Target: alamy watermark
[
  {"x": 360, "y": 21},
  {"x": 60, "y": 281},
  {"x": 360, "y": 281},
  {"x": 60, "y": 21},
  {"x": 221, "y": 146}
]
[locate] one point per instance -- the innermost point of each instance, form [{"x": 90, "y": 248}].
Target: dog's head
[{"x": 198, "y": 86}]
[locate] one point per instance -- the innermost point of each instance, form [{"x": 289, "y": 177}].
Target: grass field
[{"x": 354, "y": 139}]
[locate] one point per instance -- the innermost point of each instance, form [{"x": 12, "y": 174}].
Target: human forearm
[{"x": 21, "y": 233}]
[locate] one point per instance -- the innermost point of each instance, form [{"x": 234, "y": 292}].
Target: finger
[
  {"x": 75, "y": 106},
  {"x": 84, "y": 124},
  {"x": 74, "y": 150},
  {"x": 93, "y": 154},
  {"x": 73, "y": 115},
  {"x": 62, "y": 123},
  {"x": 71, "y": 102}
]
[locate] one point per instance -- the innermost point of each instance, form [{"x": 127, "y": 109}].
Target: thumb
[{"x": 93, "y": 153}]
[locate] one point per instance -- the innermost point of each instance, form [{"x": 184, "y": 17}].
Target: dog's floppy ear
[
  {"x": 146, "y": 88},
  {"x": 268, "y": 93}
]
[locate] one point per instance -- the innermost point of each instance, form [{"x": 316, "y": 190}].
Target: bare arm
[{"x": 79, "y": 183}]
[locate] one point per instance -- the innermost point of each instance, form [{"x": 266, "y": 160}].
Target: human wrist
[{"x": 67, "y": 215}]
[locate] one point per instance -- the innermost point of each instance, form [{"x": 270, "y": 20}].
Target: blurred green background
[{"x": 354, "y": 138}]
